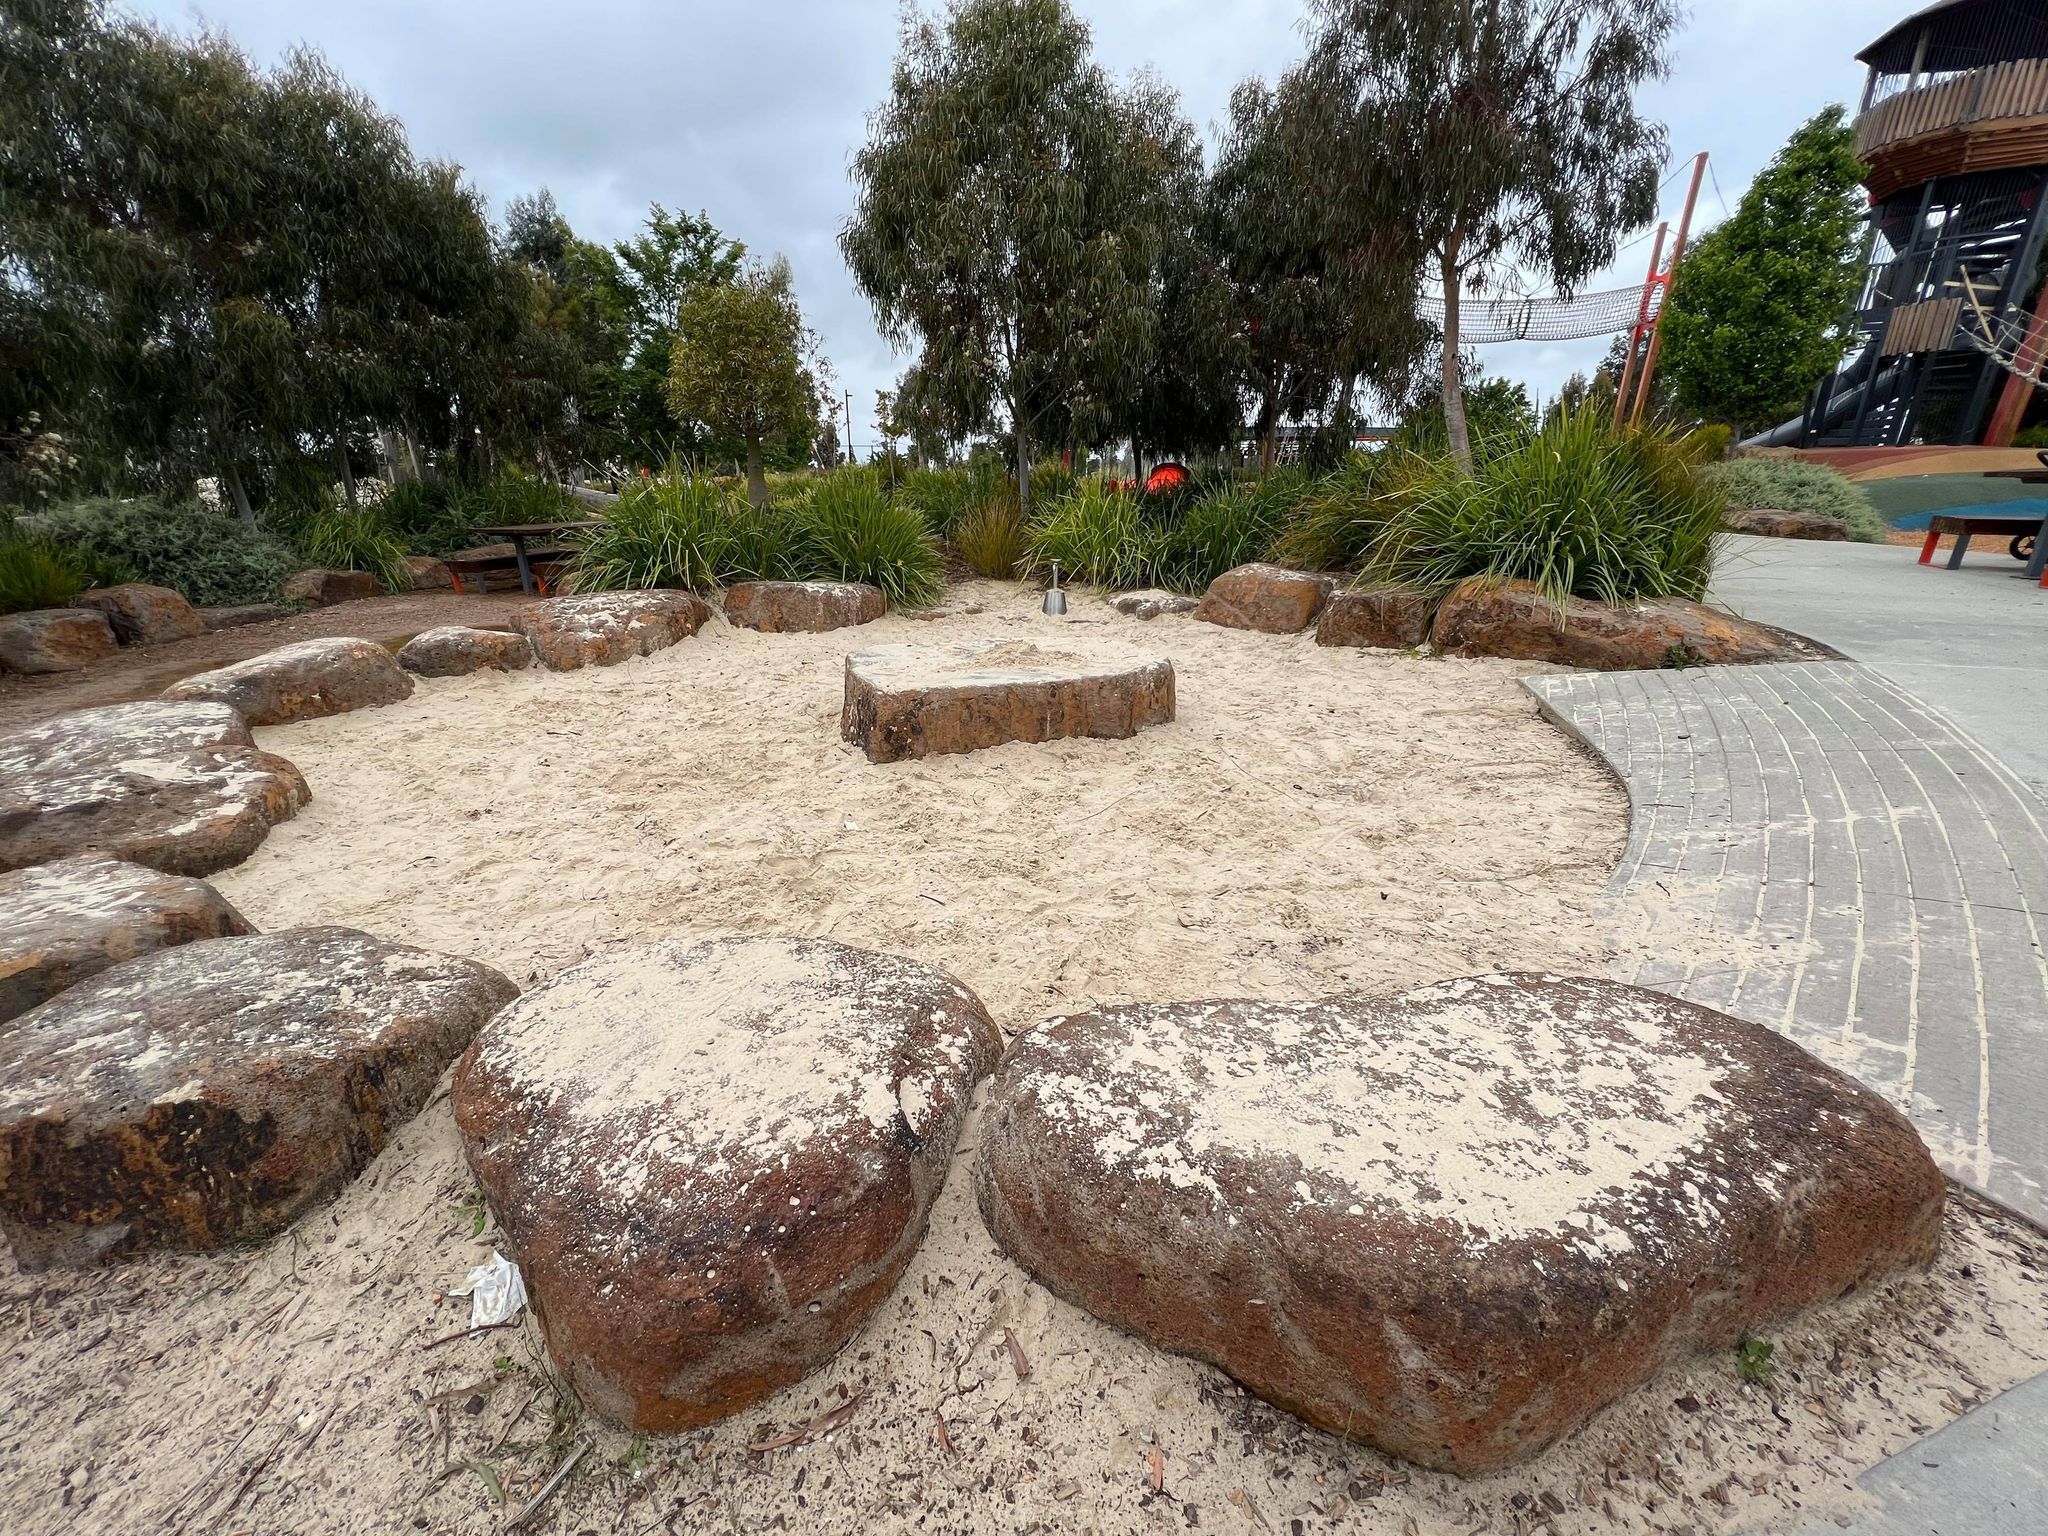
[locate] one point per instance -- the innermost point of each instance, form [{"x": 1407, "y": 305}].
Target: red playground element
[{"x": 1166, "y": 477}]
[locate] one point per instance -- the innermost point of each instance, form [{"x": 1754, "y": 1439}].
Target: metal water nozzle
[{"x": 1055, "y": 599}]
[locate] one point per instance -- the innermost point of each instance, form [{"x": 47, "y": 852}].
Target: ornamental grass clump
[
  {"x": 1224, "y": 527},
  {"x": 1098, "y": 536},
  {"x": 340, "y": 540},
  {"x": 851, "y": 529},
  {"x": 1789, "y": 485},
  {"x": 36, "y": 575},
  {"x": 675, "y": 529},
  {"x": 991, "y": 538},
  {"x": 1579, "y": 510}
]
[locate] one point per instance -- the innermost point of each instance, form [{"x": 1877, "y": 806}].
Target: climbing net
[{"x": 1551, "y": 317}]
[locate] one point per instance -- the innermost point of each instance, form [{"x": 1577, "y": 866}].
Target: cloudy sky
[{"x": 751, "y": 109}]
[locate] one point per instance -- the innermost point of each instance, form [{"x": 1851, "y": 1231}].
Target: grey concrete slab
[
  {"x": 1984, "y": 1475},
  {"x": 1971, "y": 643},
  {"x": 1879, "y": 880}
]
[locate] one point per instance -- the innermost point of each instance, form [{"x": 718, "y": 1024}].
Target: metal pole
[
  {"x": 851, "y": 461},
  {"x": 1635, "y": 335},
  {"x": 1692, "y": 196}
]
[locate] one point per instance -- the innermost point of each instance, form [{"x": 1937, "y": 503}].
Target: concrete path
[
  {"x": 1971, "y": 643},
  {"x": 1877, "y": 881}
]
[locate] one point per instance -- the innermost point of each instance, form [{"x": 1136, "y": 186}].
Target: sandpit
[{"x": 1314, "y": 820}]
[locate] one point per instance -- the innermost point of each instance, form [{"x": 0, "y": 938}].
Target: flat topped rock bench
[
  {"x": 781, "y": 607},
  {"x": 907, "y": 701}
]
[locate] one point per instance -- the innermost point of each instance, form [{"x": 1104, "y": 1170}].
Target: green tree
[
  {"x": 740, "y": 364},
  {"x": 656, "y": 269},
  {"x": 1755, "y": 317},
  {"x": 1008, "y": 226},
  {"x": 1494, "y": 130}
]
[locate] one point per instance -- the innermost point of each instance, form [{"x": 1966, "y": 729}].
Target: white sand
[{"x": 1315, "y": 820}]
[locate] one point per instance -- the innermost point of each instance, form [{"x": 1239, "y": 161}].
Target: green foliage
[
  {"x": 1097, "y": 535},
  {"x": 518, "y": 497},
  {"x": 671, "y": 530},
  {"x": 1498, "y": 415},
  {"x": 434, "y": 517},
  {"x": 991, "y": 538},
  {"x": 1709, "y": 442},
  {"x": 1338, "y": 519},
  {"x": 206, "y": 555},
  {"x": 738, "y": 363},
  {"x": 1580, "y": 510},
  {"x": 1795, "y": 485},
  {"x": 337, "y": 539},
  {"x": 943, "y": 497},
  {"x": 852, "y": 530},
  {"x": 33, "y": 574},
  {"x": 1753, "y": 1360},
  {"x": 1755, "y": 318},
  {"x": 2035, "y": 436},
  {"x": 1224, "y": 527}
]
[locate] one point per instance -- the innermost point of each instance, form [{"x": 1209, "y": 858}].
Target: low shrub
[
  {"x": 1338, "y": 519},
  {"x": 1098, "y": 536},
  {"x": 990, "y": 538},
  {"x": 851, "y": 529},
  {"x": 1579, "y": 510},
  {"x": 671, "y": 530},
  {"x": 1797, "y": 485},
  {"x": 515, "y": 496},
  {"x": 34, "y": 575},
  {"x": 340, "y": 540},
  {"x": 1225, "y": 527},
  {"x": 207, "y": 555},
  {"x": 945, "y": 498},
  {"x": 435, "y": 517}
]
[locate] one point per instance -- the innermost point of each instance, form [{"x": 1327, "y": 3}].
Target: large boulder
[
  {"x": 713, "y": 1160},
  {"x": 323, "y": 588},
  {"x": 1264, "y": 597},
  {"x": 205, "y": 1095},
  {"x": 1379, "y": 618},
  {"x": 1151, "y": 603},
  {"x": 302, "y": 681},
  {"x": 1452, "y": 1223},
  {"x": 426, "y": 574},
  {"x": 1770, "y": 523},
  {"x": 54, "y": 640},
  {"x": 73, "y": 918},
  {"x": 601, "y": 629},
  {"x": 178, "y": 787},
  {"x": 1484, "y": 618},
  {"x": 914, "y": 700},
  {"x": 235, "y": 615},
  {"x": 812, "y": 606},
  {"x": 144, "y": 615},
  {"x": 453, "y": 650}
]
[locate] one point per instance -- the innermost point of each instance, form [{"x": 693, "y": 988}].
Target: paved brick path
[{"x": 1858, "y": 875}]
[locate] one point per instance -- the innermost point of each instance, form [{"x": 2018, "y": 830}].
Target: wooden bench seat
[
  {"x": 1962, "y": 528},
  {"x": 546, "y": 565}
]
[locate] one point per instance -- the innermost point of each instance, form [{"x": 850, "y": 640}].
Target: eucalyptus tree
[
  {"x": 742, "y": 364},
  {"x": 653, "y": 273},
  {"x": 1495, "y": 131},
  {"x": 1005, "y": 227}
]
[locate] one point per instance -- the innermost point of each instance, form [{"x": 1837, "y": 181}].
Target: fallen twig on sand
[
  {"x": 1019, "y": 1361},
  {"x": 823, "y": 1424},
  {"x": 470, "y": 1333},
  {"x": 548, "y": 1488}
]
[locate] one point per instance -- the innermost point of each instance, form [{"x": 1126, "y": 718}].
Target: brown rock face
[
  {"x": 428, "y": 574},
  {"x": 235, "y": 615},
  {"x": 144, "y": 615},
  {"x": 178, "y": 787},
  {"x": 712, "y": 1161},
  {"x": 302, "y": 681},
  {"x": 601, "y": 629},
  {"x": 323, "y": 589},
  {"x": 811, "y": 606},
  {"x": 914, "y": 700},
  {"x": 1385, "y": 619},
  {"x": 1516, "y": 620},
  {"x": 1772, "y": 524},
  {"x": 73, "y": 918},
  {"x": 206, "y": 1095},
  {"x": 1452, "y": 1223},
  {"x": 54, "y": 640},
  {"x": 1270, "y": 598},
  {"x": 1151, "y": 604},
  {"x": 454, "y": 651}
]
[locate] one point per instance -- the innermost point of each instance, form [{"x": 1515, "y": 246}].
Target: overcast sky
[{"x": 751, "y": 109}]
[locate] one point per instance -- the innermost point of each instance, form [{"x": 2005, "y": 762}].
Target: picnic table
[{"x": 519, "y": 533}]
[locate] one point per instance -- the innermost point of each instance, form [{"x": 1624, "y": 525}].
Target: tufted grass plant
[
  {"x": 676, "y": 529},
  {"x": 852, "y": 529},
  {"x": 1227, "y": 525},
  {"x": 341, "y": 540},
  {"x": 1098, "y": 536},
  {"x": 36, "y": 575},
  {"x": 991, "y": 538}
]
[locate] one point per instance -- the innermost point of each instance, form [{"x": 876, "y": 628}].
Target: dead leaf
[
  {"x": 824, "y": 1424},
  {"x": 1018, "y": 1359}
]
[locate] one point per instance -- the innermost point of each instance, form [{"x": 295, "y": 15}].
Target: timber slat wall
[{"x": 2016, "y": 88}]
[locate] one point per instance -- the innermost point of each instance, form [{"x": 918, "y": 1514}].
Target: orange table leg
[{"x": 1927, "y": 549}]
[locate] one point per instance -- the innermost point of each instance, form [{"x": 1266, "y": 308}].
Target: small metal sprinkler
[{"x": 1055, "y": 599}]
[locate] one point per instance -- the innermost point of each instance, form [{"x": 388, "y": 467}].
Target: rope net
[{"x": 1548, "y": 318}]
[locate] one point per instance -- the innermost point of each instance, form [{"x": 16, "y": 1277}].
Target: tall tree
[
  {"x": 741, "y": 364},
  {"x": 1496, "y": 130},
  {"x": 1005, "y": 227},
  {"x": 1755, "y": 318},
  {"x": 656, "y": 270}
]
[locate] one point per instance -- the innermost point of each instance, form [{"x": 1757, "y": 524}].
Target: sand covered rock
[
  {"x": 601, "y": 629},
  {"x": 1514, "y": 619},
  {"x": 907, "y": 701},
  {"x": 323, "y": 588},
  {"x": 54, "y": 640},
  {"x": 453, "y": 650},
  {"x": 179, "y": 787},
  {"x": 1381, "y": 618},
  {"x": 1264, "y": 597},
  {"x": 73, "y": 918},
  {"x": 235, "y": 615},
  {"x": 302, "y": 681},
  {"x": 206, "y": 1095},
  {"x": 1452, "y": 1223},
  {"x": 145, "y": 615},
  {"x": 810, "y": 606},
  {"x": 1151, "y": 603},
  {"x": 1770, "y": 523},
  {"x": 712, "y": 1161}
]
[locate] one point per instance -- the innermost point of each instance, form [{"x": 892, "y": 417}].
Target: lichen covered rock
[
  {"x": 601, "y": 629},
  {"x": 305, "y": 680}
]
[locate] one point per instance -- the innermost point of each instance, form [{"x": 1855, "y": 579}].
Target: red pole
[
  {"x": 2020, "y": 385},
  {"x": 1692, "y": 195},
  {"x": 1635, "y": 335}
]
